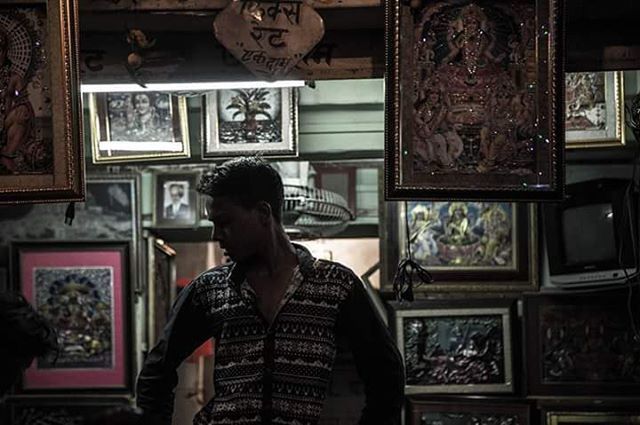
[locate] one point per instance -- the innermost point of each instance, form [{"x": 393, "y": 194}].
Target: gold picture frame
[
  {"x": 600, "y": 418},
  {"x": 138, "y": 126},
  {"x": 41, "y": 154},
  {"x": 594, "y": 109}
]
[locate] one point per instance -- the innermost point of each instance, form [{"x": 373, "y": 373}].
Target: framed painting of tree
[{"x": 254, "y": 121}]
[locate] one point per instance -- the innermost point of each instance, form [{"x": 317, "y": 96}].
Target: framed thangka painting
[
  {"x": 254, "y": 121},
  {"x": 465, "y": 245},
  {"x": 456, "y": 412},
  {"x": 474, "y": 100},
  {"x": 582, "y": 344},
  {"x": 456, "y": 346},
  {"x": 40, "y": 136},
  {"x": 83, "y": 290},
  {"x": 138, "y": 126},
  {"x": 594, "y": 109}
]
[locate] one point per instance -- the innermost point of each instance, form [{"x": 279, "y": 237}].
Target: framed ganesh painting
[
  {"x": 474, "y": 104},
  {"x": 41, "y": 156}
]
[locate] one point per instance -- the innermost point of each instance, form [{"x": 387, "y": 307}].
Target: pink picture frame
[{"x": 82, "y": 289}]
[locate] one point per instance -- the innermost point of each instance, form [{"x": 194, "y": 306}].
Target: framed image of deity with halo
[
  {"x": 465, "y": 245},
  {"x": 41, "y": 157},
  {"x": 474, "y": 100}
]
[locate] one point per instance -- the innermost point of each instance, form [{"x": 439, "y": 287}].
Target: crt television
[{"x": 589, "y": 234}]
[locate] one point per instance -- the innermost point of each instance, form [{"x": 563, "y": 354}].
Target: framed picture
[
  {"x": 161, "y": 289},
  {"x": 594, "y": 109},
  {"x": 253, "y": 121},
  {"x": 60, "y": 410},
  {"x": 176, "y": 200},
  {"x": 456, "y": 346},
  {"x": 592, "y": 418},
  {"x": 465, "y": 245},
  {"x": 581, "y": 345},
  {"x": 138, "y": 126},
  {"x": 474, "y": 103},
  {"x": 83, "y": 290},
  {"x": 337, "y": 178},
  {"x": 41, "y": 156},
  {"x": 479, "y": 412}
]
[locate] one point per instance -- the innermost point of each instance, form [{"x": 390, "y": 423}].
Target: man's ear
[{"x": 264, "y": 212}]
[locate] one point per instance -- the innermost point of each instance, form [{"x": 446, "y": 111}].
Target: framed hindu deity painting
[
  {"x": 465, "y": 245},
  {"x": 474, "y": 100},
  {"x": 613, "y": 417},
  {"x": 456, "y": 346},
  {"x": 83, "y": 290},
  {"x": 60, "y": 410},
  {"x": 594, "y": 109},
  {"x": 41, "y": 155},
  {"x": 464, "y": 412},
  {"x": 253, "y": 121},
  {"x": 581, "y": 345},
  {"x": 161, "y": 286},
  {"x": 138, "y": 126}
]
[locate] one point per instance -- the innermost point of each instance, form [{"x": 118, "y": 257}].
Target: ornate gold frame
[{"x": 66, "y": 182}]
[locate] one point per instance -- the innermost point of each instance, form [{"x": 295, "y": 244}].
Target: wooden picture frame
[
  {"x": 138, "y": 126},
  {"x": 161, "y": 286},
  {"x": 275, "y": 135},
  {"x": 592, "y": 417},
  {"x": 440, "y": 340},
  {"x": 594, "y": 109},
  {"x": 421, "y": 411},
  {"x": 474, "y": 100},
  {"x": 84, "y": 290},
  {"x": 580, "y": 344},
  {"x": 41, "y": 146},
  {"x": 490, "y": 246},
  {"x": 182, "y": 186}
]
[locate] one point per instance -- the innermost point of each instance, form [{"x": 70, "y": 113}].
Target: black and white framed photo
[
  {"x": 138, "y": 126},
  {"x": 176, "y": 200},
  {"x": 251, "y": 121}
]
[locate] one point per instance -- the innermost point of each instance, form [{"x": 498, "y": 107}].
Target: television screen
[{"x": 589, "y": 234}]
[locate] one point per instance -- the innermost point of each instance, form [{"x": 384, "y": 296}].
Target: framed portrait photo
[
  {"x": 474, "y": 100},
  {"x": 41, "y": 155},
  {"x": 456, "y": 346},
  {"x": 138, "y": 126},
  {"x": 83, "y": 290},
  {"x": 176, "y": 200},
  {"x": 464, "y": 412},
  {"x": 465, "y": 245},
  {"x": 254, "y": 121},
  {"x": 581, "y": 344},
  {"x": 60, "y": 410},
  {"x": 594, "y": 109}
]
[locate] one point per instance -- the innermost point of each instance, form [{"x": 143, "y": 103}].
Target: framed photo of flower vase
[
  {"x": 465, "y": 245},
  {"x": 594, "y": 109},
  {"x": 581, "y": 344},
  {"x": 251, "y": 121},
  {"x": 474, "y": 100},
  {"x": 41, "y": 155},
  {"x": 456, "y": 346},
  {"x": 464, "y": 412},
  {"x": 138, "y": 126},
  {"x": 83, "y": 290}
]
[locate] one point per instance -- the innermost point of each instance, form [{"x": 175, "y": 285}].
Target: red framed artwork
[{"x": 82, "y": 289}]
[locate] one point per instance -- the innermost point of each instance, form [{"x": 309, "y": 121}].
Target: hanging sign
[{"x": 269, "y": 37}]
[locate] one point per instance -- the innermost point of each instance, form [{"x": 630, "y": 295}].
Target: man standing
[{"x": 275, "y": 313}]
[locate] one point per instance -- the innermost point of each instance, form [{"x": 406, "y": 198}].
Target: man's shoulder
[
  {"x": 332, "y": 270},
  {"x": 214, "y": 277}
]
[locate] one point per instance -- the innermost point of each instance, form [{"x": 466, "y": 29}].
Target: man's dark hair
[
  {"x": 25, "y": 334},
  {"x": 247, "y": 181}
]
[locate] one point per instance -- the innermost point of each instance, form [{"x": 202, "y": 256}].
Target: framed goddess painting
[
  {"x": 456, "y": 346},
  {"x": 255, "y": 121},
  {"x": 474, "y": 100},
  {"x": 40, "y": 122},
  {"x": 465, "y": 245},
  {"x": 138, "y": 126},
  {"x": 594, "y": 109},
  {"x": 83, "y": 290}
]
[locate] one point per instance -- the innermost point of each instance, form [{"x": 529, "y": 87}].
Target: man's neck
[{"x": 278, "y": 254}]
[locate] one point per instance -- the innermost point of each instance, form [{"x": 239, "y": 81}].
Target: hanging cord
[
  {"x": 70, "y": 214},
  {"x": 409, "y": 272}
]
